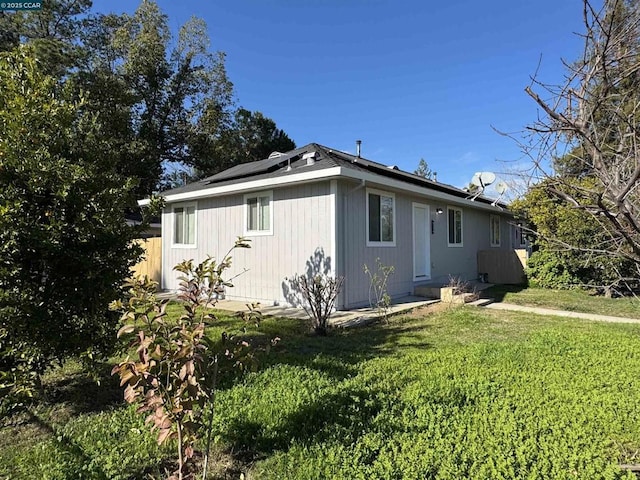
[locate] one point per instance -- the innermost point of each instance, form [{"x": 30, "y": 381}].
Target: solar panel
[{"x": 252, "y": 168}]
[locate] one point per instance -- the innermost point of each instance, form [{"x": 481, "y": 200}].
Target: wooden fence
[
  {"x": 151, "y": 264},
  {"x": 503, "y": 266}
]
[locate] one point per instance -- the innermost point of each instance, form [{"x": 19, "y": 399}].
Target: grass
[
  {"x": 458, "y": 394},
  {"x": 570, "y": 300}
]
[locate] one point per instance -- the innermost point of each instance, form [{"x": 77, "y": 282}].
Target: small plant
[
  {"x": 319, "y": 293},
  {"x": 176, "y": 373},
  {"x": 378, "y": 296},
  {"x": 463, "y": 289}
]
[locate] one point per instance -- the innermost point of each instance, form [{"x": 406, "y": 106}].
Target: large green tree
[
  {"x": 65, "y": 248},
  {"x": 55, "y": 33},
  {"x": 165, "y": 99},
  {"x": 249, "y": 137},
  {"x": 163, "y": 95}
]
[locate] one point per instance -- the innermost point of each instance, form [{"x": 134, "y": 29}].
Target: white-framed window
[
  {"x": 520, "y": 239},
  {"x": 184, "y": 225},
  {"x": 494, "y": 230},
  {"x": 258, "y": 213},
  {"x": 454, "y": 227},
  {"x": 381, "y": 218}
]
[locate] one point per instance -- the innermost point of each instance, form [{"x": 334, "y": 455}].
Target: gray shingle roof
[{"x": 325, "y": 157}]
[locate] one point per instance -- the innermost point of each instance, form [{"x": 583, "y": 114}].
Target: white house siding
[
  {"x": 445, "y": 261},
  {"x": 301, "y": 236}
]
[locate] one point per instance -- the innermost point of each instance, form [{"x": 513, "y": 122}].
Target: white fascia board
[
  {"x": 386, "y": 182},
  {"x": 334, "y": 172},
  {"x": 262, "y": 184}
]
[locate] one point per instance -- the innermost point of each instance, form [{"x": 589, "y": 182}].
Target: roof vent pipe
[{"x": 358, "y": 145}]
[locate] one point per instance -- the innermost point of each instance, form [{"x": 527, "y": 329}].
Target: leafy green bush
[
  {"x": 64, "y": 244},
  {"x": 547, "y": 269}
]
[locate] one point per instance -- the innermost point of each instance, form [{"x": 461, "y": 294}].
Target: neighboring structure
[{"x": 317, "y": 210}]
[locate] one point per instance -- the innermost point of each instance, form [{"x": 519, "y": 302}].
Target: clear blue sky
[{"x": 411, "y": 79}]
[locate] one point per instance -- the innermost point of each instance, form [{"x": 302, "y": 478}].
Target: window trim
[
  {"x": 184, "y": 205},
  {"x": 381, "y": 243},
  {"x": 492, "y": 218},
  {"x": 461, "y": 244},
  {"x": 245, "y": 214},
  {"x": 518, "y": 231}
]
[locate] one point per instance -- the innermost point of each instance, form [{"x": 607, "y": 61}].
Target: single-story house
[{"x": 319, "y": 210}]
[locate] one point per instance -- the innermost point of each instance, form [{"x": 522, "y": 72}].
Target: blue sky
[{"x": 412, "y": 79}]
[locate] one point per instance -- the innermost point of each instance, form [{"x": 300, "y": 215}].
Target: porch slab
[{"x": 339, "y": 319}]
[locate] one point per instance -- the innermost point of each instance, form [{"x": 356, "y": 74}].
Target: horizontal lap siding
[{"x": 301, "y": 229}]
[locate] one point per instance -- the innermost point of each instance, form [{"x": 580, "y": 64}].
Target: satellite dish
[
  {"x": 501, "y": 187},
  {"x": 487, "y": 178},
  {"x": 475, "y": 180},
  {"x": 482, "y": 180}
]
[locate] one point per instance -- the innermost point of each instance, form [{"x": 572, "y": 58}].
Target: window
[
  {"x": 258, "y": 213},
  {"x": 494, "y": 226},
  {"x": 380, "y": 218},
  {"x": 520, "y": 237},
  {"x": 184, "y": 225},
  {"x": 455, "y": 226}
]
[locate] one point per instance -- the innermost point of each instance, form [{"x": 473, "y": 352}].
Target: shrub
[
  {"x": 65, "y": 247},
  {"x": 319, "y": 293},
  {"x": 378, "y": 296},
  {"x": 176, "y": 373},
  {"x": 547, "y": 269}
]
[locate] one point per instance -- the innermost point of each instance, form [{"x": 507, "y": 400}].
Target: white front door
[{"x": 421, "y": 242}]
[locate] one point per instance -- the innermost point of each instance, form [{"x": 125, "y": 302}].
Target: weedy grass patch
[{"x": 460, "y": 394}]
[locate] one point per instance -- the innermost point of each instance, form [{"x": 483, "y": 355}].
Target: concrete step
[{"x": 482, "y": 302}]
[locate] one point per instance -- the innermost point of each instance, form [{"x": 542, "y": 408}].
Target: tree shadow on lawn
[
  {"x": 344, "y": 416},
  {"x": 498, "y": 292},
  {"x": 81, "y": 393},
  {"x": 339, "y": 353},
  {"x": 349, "y": 411}
]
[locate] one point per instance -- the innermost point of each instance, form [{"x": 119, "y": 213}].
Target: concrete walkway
[
  {"x": 558, "y": 313},
  {"x": 341, "y": 319}
]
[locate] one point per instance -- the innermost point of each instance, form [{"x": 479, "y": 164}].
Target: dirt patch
[{"x": 425, "y": 310}]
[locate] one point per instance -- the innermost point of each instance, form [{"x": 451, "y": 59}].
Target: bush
[
  {"x": 65, "y": 247},
  {"x": 546, "y": 269}
]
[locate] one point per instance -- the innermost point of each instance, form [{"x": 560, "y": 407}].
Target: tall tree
[
  {"x": 594, "y": 115},
  {"x": 249, "y": 137},
  {"x": 423, "y": 170},
  {"x": 54, "y": 32},
  {"x": 64, "y": 245},
  {"x": 162, "y": 98}
]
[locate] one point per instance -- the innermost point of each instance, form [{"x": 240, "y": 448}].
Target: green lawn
[
  {"x": 570, "y": 300},
  {"x": 459, "y": 394}
]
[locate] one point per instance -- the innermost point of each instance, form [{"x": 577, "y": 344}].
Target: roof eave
[{"x": 328, "y": 174}]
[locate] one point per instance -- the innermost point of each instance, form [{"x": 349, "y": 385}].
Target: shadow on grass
[
  {"x": 81, "y": 393},
  {"x": 346, "y": 413},
  {"x": 67, "y": 444},
  {"x": 498, "y": 292},
  {"x": 339, "y": 353}
]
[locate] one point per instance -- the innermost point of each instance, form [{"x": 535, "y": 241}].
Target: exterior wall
[
  {"x": 445, "y": 261},
  {"x": 462, "y": 262},
  {"x": 301, "y": 241}
]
